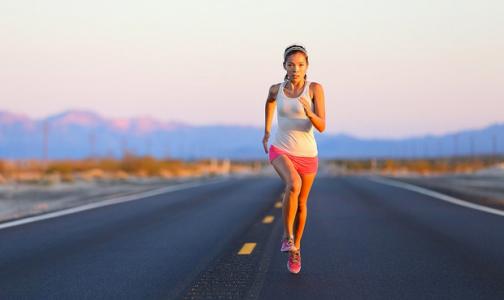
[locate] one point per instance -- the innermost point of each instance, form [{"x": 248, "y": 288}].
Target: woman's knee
[
  {"x": 302, "y": 208},
  {"x": 294, "y": 185}
]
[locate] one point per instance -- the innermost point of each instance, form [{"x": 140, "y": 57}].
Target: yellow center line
[
  {"x": 278, "y": 204},
  {"x": 247, "y": 249},
  {"x": 268, "y": 219}
]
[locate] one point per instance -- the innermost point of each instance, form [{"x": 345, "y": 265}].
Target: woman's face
[{"x": 296, "y": 66}]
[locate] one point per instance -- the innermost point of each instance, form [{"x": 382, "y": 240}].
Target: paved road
[{"x": 363, "y": 240}]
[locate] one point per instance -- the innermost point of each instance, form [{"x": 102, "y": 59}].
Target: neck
[{"x": 297, "y": 83}]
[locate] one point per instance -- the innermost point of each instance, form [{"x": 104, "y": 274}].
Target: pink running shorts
[{"x": 302, "y": 164}]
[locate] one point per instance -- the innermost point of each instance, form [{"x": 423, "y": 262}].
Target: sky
[{"x": 390, "y": 68}]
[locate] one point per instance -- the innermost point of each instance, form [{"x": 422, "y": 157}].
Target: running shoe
[
  {"x": 288, "y": 245},
  {"x": 294, "y": 261}
]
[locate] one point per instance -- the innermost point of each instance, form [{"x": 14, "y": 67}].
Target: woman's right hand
[{"x": 265, "y": 141}]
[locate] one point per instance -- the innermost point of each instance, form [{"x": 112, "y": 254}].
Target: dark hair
[{"x": 292, "y": 49}]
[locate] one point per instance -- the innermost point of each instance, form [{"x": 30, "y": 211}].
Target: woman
[{"x": 293, "y": 152}]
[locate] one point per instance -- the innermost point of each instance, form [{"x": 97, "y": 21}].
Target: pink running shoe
[
  {"x": 288, "y": 245},
  {"x": 294, "y": 262}
]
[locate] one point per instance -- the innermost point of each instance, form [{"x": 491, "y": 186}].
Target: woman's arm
[
  {"x": 317, "y": 117},
  {"x": 269, "y": 109}
]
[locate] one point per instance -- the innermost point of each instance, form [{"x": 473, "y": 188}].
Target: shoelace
[
  {"x": 295, "y": 256},
  {"x": 290, "y": 242}
]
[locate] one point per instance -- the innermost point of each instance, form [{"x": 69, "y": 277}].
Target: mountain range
[{"x": 78, "y": 134}]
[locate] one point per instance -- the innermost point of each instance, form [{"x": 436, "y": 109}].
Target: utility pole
[
  {"x": 45, "y": 143},
  {"x": 124, "y": 146},
  {"x": 471, "y": 141},
  {"x": 92, "y": 142},
  {"x": 494, "y": 149},
  {"x": 147, "y": 146},
  {"x": 455, "y": 145}
]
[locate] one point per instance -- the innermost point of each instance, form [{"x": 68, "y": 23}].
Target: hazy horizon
[
  {"x": 389, "y": 69},
  {"x": 122, "y": 119}
]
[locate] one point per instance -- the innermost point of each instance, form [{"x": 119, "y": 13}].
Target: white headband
[{"x": 294, "y": 48}]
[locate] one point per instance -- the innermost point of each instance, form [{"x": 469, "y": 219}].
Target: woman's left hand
[{"x": 306, "y": 106}]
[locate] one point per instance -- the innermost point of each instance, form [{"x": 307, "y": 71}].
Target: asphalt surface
[{"x": 363, "y": 240}]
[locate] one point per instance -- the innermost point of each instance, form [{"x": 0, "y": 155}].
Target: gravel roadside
[
  {"x": 23, "y": 200},
  {"x": 487, "y": 190}
]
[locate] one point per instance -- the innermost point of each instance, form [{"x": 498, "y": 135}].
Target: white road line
[
  {"x": 107, "y": 202},
  {"x": 436, "y": 195}
]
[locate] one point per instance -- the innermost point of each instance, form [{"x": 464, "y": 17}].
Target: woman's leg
[
  {"x": 307, "y": 182},
  {"x": 292, "y": 180}
]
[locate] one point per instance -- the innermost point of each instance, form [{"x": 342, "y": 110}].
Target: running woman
[{"x": 293, "y": 151}]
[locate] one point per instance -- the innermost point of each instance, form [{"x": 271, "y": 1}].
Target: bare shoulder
[
  {"x": 315, "y": 86},
  {"x": 316, "y": 90},
  {"x": 273, "y": 91}
]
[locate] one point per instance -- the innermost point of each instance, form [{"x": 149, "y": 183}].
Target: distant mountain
[{"x": 79, "y": 134}]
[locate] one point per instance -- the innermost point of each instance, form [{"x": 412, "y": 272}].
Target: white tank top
[{"x": 295, "y": 131}]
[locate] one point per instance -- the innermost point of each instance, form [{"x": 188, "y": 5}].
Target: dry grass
[
  {"x": 36, "y": 171},
  {"x": 419, "y": 166}
]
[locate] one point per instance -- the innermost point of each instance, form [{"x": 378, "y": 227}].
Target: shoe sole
[
  {"x": 293, "y": 248},
  {"x": 288, "y": 250}
]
